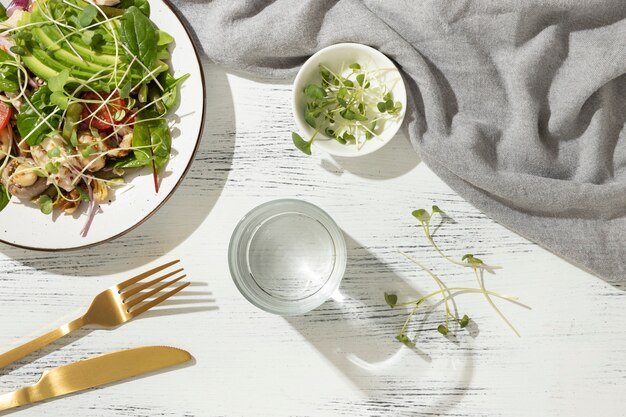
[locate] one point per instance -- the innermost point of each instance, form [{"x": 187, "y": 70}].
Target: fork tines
[{"x": 135, "y": 291}]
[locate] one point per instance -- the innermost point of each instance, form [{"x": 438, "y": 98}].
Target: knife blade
[{"x": 95, "y": 371}]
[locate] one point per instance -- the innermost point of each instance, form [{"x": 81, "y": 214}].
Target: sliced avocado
[
  {"x": 87, "y": 53},
  {"x": 58, "y": 66},
  {"x": 61, "y": 54},
  {"x": 42, "y": 70},
  {"x": 50, "y": 39},
  {"x": 105, "y": 55},
  {"x": 107, "y": 48}
]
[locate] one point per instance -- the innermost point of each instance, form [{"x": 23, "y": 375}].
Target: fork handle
[{"x": 43, "y": 340}]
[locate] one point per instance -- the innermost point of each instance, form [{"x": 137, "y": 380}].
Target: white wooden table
[{"x": 341, "y": 359}]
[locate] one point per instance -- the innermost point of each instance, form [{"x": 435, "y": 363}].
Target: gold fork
[{"x": 110, "y": 308}]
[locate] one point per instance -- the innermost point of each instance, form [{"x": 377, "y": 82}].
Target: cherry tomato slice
[
  {"x": 5, "y": 115},
  {"x": 101, "y": 118}
]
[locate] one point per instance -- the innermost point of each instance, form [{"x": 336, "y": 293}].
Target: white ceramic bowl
[{"x": 334, "y": 57}]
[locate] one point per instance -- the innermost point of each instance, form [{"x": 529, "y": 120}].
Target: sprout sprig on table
[
  {"x": 350, "y": 109},
  {"x": 446, "y": 293}
]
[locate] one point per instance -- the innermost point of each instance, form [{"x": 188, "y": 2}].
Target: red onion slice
[{"x": 18, "y": 4}]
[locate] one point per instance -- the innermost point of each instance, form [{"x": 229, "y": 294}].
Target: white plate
[
  {"x": 334, "y": 57},
  {"x": 24, "y": 225}
]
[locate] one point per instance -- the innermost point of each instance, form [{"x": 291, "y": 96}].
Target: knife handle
[
  {"x": 44, "y": 340},
  {"x": 15, "y": 399}
]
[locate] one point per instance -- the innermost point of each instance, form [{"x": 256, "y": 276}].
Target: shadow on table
[
  {"x": 391, "y": 161},
  {"x": 178, "y": 218},
  {"x": 356, "y": 332}
]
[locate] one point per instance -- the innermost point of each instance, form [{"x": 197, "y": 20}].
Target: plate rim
[{"x": 194, "y": 45}]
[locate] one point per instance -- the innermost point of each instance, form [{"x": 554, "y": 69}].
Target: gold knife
[{"x": 92, "y": 372}]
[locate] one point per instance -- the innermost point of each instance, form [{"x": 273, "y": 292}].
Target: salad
[{"x": 84, "y": 90}]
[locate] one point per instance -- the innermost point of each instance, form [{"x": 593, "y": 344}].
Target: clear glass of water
[{"x": 287, "y": 256}]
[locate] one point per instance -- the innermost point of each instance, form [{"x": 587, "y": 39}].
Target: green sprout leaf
[
  {"x": 405, "y": 340},
  {"x": 88, "y": 15},
  {"x": 327, "y": 77},
  {"x": 52, "y": 168},
  {"x": 93, "y": 39},
  {"x": 45, "y": 204},
  {"x": 348, "y": 138},
  {"x": 54, "y": 152},
  {"x": 303, "y": 145},
  {"x": 348, "y": 114},
  {"x": 74, "y": 139},
  {"x": 419, "y": 214},
  {"x": 442, "y": 329},
  {"x": 87, "y": 152},
  {"x": 464, "y": 321},
  {"x": 314, "y": 91},
  {"x": 436, "y": 209},
  {"x": 59, "y": 99},
  {"x": 355, "y": 66},
  {"x": 391, "y": 300},
  {"x": 124, "y": 90},
  {"x": 310, "y": 119},
  {"x": 83, "y": 194},
  {"x": 119, "y": 115},
  {"x": 471, "y": 259},
  {"x": 57, "y": 82}
]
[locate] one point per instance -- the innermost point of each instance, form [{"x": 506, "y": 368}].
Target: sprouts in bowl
[{"x": 348, "y": 99}]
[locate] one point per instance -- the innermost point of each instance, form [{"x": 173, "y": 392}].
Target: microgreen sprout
[
  {"x": 448, "y": 294},
  {"x": 45, "y": 204},
  {"x": 350, "y": 106}
]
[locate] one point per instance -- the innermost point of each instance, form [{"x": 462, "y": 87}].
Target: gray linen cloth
[{"x": 518, "y": 105}]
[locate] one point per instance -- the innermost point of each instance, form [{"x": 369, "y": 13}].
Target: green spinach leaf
[
  {"x": 151, "y": 137},
  {"x": 142, "y": 5},
  {"x": 4, "y": 197},
  {"x": 164, "y": 38},
  {"x": 30, "y": 125},
  {"x": 140, "y": 36},
  {"x": 130, "y": 161},
  {"x": 8, "y": 74},
  {"x": 170, "y": 88}
]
